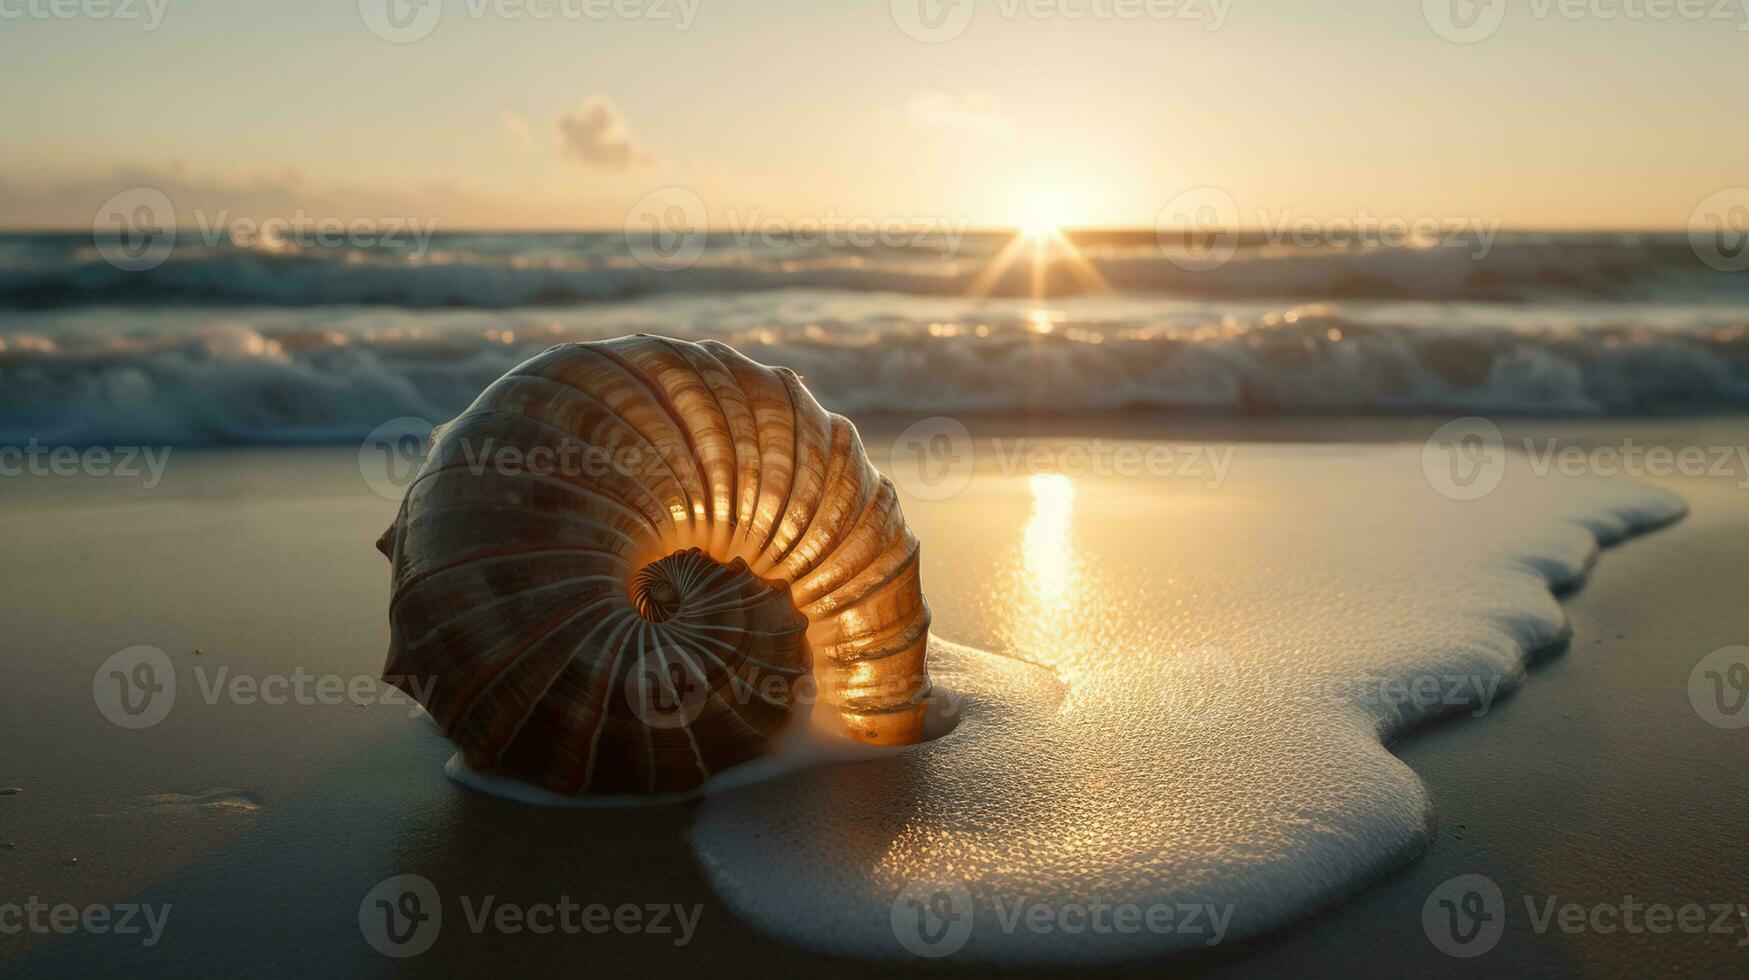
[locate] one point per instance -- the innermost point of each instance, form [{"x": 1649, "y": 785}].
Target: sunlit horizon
[{"x": 494, "y": 123}]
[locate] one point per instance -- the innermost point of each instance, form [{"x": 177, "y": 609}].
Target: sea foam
[
  {"x": 200, "y": 377},
  {"x": 1226, "y": 669}
]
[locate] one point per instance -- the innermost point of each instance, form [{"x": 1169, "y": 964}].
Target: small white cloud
[{"x": 595, "y": 135}]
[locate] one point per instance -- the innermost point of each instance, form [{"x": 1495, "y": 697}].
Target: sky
[{"x": 991, "y": 113}]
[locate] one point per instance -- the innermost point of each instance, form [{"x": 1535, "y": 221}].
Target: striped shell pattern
[{"x": 630, "y": 563}]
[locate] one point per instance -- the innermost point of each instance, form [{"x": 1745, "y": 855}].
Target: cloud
[
  {"x": 969, "y": 111},
  {"x": 595, "y": 135}
]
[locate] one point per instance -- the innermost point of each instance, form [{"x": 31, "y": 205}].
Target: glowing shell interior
[{"x": 628, "y": 563}]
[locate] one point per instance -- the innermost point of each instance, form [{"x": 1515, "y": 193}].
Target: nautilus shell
[{"x": 630, "y": 563}]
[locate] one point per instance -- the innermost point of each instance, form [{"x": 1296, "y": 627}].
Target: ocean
[{"x": 299, "y": 339}]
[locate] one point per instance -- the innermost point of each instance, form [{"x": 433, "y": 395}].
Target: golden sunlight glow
[
  {"x": 1043, "y": 218},
  {"x": 1040, "y": 214},
  {"x": 1047, "y": 245},
  {"x": 1045, "y": 548},
  {"x": 1051, "y": 591},
  {"x": 1052, "y": 615},
  {"x": 1043, "y": 206}
]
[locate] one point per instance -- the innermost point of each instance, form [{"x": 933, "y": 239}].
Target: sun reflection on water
[
  {"x": 1047, "y": 594},
  {"x": 1044, "y": 548},
  {"x": 1051, "y": 601}
]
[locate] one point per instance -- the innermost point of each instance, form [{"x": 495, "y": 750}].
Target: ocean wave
[
  {"x": 502, "y": 272},
  {"x": 229, "y": 383}
]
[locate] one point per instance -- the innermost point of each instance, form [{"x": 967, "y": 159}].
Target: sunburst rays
[{"x": 1041, "y": 246}]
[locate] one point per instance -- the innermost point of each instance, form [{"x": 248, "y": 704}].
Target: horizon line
[{"x": 979, "y": 229}]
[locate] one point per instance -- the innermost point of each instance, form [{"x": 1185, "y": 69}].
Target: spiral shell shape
[{"x": 627, "y": 564}]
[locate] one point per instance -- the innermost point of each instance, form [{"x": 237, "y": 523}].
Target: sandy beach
[
  {"x": 1114, "y": 488},
  {"x": 263, "y": 825}
]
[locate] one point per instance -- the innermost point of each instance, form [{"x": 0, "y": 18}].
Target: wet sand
[{"x": 263, "y": 824}]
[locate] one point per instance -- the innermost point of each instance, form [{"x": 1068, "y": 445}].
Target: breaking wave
[
  {"x": 502, "y": 271},
  {"x": 228, "y": 380}
]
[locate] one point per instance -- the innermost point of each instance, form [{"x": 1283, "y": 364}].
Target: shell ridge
[
  {"x": 564, "y": 529},
  {"x": 880, "y": 646},
  {"x": 499, "y": 555},
  {"x": 699, "y": 605},
  {"x": 649, "y": 733},
  {"x": 699, "y": 574},
  {"x": 513, "y": 730},
  {"x": 733, "y": 649},
  {"x": 432, "y": 455},
  {"x": 807, "y": 447},
  {"x": 543, "y": 479},
  {"x": 746, "y": 504},
  {"x": 609, "y": 415},
  {"x": 661, "y": 651},
  {"x": 655, "y": 451},
  {"x": 795, "y": 440},
  {"x": 740, "y": 683},
  {"x": 479, "y": 610},
  {"x": 741, "y": 423},
  {"x": 870, "y": 482},
  {"x": 561, "y": 517},
  {"x": 471, "y": 691},
  {"x": 475, "y": 414},
  {"x": 411, "y": 575},
  {"x": 743, "y": 631},
  {"x": 899, "y": 569},
  {"x": 740, "y": 365},
  {"x": 660, "y": 396},
  {"x": 602, "y": 716},
  {"x": 839, "y": 469},
  {"x": 679, "y": 634},
  {"x": 819, "y": 585},
  {"x": 700, "y": 641},
  {"x": 834, "y": 466},
  {"x": 677, "y": 347}
]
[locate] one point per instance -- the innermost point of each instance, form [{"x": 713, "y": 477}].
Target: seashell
[{"x": 629, "y": 563}]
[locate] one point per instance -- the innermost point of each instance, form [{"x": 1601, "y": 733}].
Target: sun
[
  {"x": 1039, "y": 245},
  {"x": 1041, "y": 228},
  {"x": 1043, "y": 218}
]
